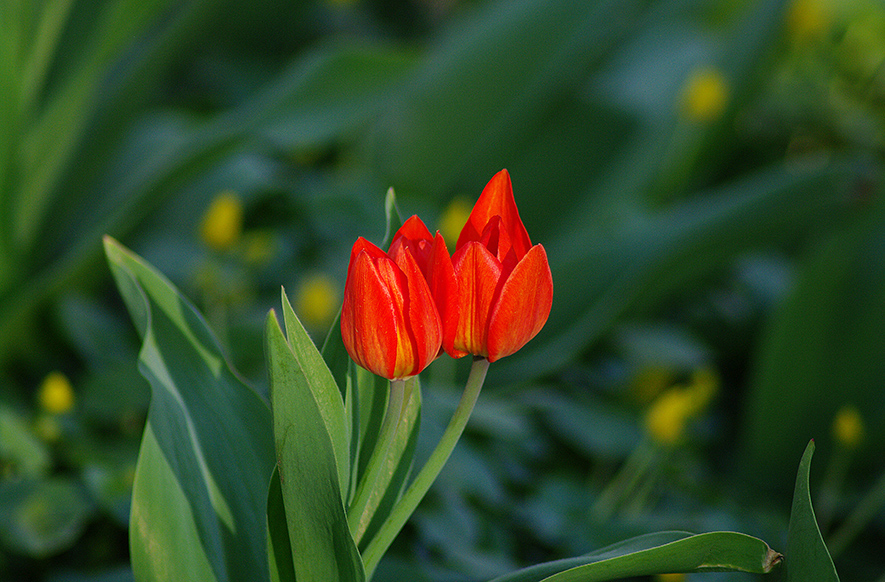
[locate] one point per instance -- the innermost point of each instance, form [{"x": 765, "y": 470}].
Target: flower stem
[
  {"x": 860, "y": 516},
  {"x": 625, "y": 481},
  {"x": 419, "y": 487},
  {"x": 356, "y": 519}
]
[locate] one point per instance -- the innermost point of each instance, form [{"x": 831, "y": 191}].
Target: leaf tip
[{"x": 771, "y": 560}]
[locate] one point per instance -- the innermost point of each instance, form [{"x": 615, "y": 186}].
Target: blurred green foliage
[{"x": 738, "y": 228}]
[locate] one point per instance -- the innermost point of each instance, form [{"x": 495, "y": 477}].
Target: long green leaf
[
  {"x": 200, "y": 491},
  {"x": 322, "y": 547},
  {"x": 130, "y": 193},
  {"x": 827, "y": 332},
  {"x": 658, "y": 553},
  {"x": 316, "y": 377},
  {"x": 807, "y": 555}
]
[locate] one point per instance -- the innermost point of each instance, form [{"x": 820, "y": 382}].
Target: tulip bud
[{"x": 389, "y": 322}]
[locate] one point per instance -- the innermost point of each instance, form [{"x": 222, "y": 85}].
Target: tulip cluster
[{"x": 405, "y": 307}]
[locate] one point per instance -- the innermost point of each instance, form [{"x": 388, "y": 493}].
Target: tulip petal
[
  {"x": 523, "y": 306},
  {"x": 478, "y": 273},
  {"x": 497, "y": 200},
  {"x": 414, "y": 234},
  {"x": 368, "y": 317},
  {"x": 444, "y": 289},
  {"x": 413, "y": 229},
  {"x": 421, "y": 336}
]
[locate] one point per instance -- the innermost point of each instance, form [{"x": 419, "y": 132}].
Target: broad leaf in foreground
[{"x": 200, "y": 492}]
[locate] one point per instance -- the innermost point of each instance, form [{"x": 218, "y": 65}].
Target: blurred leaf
[
  {"x": 494, "y": 77},
  {"x": 613, "y": 435},
  {"x": 41, "y": 518},
  {"x": 201, "y": 482},
  {"x": 658, "y": 553},
  {"x": 125, "y": 195},
  {"x": 19, "y": 446},
  {"x": 807, "y": 555},
  {"x": 50, "y": 144},
  {"x": 641, "y": 257},
  {"x": 322, "y": 547},
  {"x": 822, "y": 350}
]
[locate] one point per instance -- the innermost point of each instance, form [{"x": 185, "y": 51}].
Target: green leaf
[
  {"x": 807, "y": 555},
  {"x": 200, "y": 490},
  {"x": 314, "y": 375},
  {"x": 827, "y": 332},
  {"x": 322, "y": 547},
  {"x": 650, "y": 255},
  {"x": 658, "y": 553},
  {"x": 279, "y": 547}
]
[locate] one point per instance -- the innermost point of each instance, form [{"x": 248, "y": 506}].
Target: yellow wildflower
[
  {"x": 848, "y": 427},
  {"x": 453, "y": 220},
  {"x": 807, "y": 20},
  {"x": 704, "y": 95},
  {"x": 666, "y": 418},
  {"x": 56, "y": 395},
  {"x": 223, "y": 222},
  {"x": 317, "y": 300}
]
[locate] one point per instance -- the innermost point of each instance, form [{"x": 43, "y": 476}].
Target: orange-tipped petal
[
  {"x": 497, "y": 200},
  {"x": 478, "y": 273},
  {"x": 368, "y": 316},
  {"x": 523, "y": 306}
]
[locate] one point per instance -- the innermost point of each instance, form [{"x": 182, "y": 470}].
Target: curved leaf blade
[
  {"x": 200, "y": 489},
  {"x": 807, "y": 554},
  {"x": 658, "y": 553}
]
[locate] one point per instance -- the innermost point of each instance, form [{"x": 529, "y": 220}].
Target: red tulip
[
  {"x": 389, "y": 322},
  {"x": 432, "y": 257},
  {"x": 505, "y": 285}
]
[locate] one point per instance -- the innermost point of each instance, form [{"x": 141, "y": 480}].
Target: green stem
[
  {"x": 625, "y": 481},
  {"x": 356, "y": 518},
  {"x": 862, "y": 514},
  {"x": 419, "y": 487}
]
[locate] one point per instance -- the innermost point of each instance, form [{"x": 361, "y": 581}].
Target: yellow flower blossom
[
  {"x": 223, "y": 222},
  {"x": 848, "y": 427},
  {"x": 807, "y": 20},
  {"x": 704, "y": 95},
  {"x": 676, "y": 577},
  {"x": 317, "y": 300},
  {"x": 453, "y": 220},
  {"x": 56, "y": 395},
  {"x": 668, "y": 415}
]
